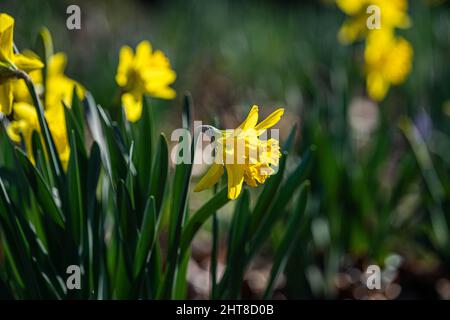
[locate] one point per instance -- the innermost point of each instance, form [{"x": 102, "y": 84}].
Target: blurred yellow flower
[
  {"x": 58, "y": 88},
  {"x": 388, "y": 58},
  {"x": 393, "y": 15},
  {"x": 244, "y": 155},
  {"x": 143, "y": 72},
  {"x": 11, "y": 64},
  {"x": 388, "y": 61},
  {"x": 25, "y": 121}
]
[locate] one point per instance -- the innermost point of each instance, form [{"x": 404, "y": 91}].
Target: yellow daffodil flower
[
  {"x": 388, "y": 62},
  {"x": 58, "y": 88},
  {"x": 11, "y": 64},
  {"x": 244, "y": 155},
  {"x": 144, "y": 72},
  {"x": 388, "y": 58},
  {"x": 393, "y": 15},
  {"x": 25, "y": 121}
]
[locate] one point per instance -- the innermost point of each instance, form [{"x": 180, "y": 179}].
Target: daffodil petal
[
  {"x": 210, "y": 178},
  {"x": 251, "y": 120},
  {"x": 377, "y": 86},
  {"x": 235, "y": 179},
  {"x": 351, "y": 7},
  {"x": 25, "y": 111},
  {"x": 132, "y": 106},
  {"x": 143, "y": 54},
  {"x": 6, "y": 97},
  {"x": 13, "y": 131},
  {"x": 6, "y": 36},
  {"x": 57, "y": 64},
  {"x": 270, "y": 121},
  {"x": 27, "y": 63},
  {"x": 125, "y": 63}
]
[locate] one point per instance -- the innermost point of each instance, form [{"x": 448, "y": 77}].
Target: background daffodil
[
  {"x": 143, "y": 72},
  {"x": 25, "y": 121},
  {"x": 11, "y": 63},
  {"x": 58, "y": 89},
  {"x": 388, "y": 58},
  {"x": 254, "y": 164},
  {"x": 388, "y": 62},
  {"x": 394, "y": 14}
]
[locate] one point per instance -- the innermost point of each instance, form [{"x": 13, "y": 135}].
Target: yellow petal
[
  {"x": 132, "y": 105},
  {"x": 210, "y": 178},
  {"x": 25, "y": 111},
  {"x": 251, "y": 120},
  {"x": 13, "y": 130},
  {"x": 235, "y": 179},
  {"x": 377, "y": 86},
  {"x": 143, "y": 54},
  {"x": 6, "y": 97},
  {"x": 27, "y": 61},
  {"x": 352, "y": 29},
  {"x": 271, "y": 120},
  {"x": 6, "y": 37},
  {"x": 163, "y": 93},
  {"x": 57, "y": 64},
  {"x": 125, "y": 63},
  {"x": 350, "y": 7}
]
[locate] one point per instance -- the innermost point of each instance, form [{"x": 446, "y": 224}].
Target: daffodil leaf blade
[
  {"x": 278, "y": 207},
  {"x": 180, "y": 190},
  {"x": 287, "y": 145},
  {"x": 77, "y": 109},
  {"x": 41, "y": 190},
  {"x": 75, "y": 197},
  {"x": 158, "y": 184},
  {"x": 296, "y": 229},
  {"x": 146, "y": 236},
  {"x": 145, "y": 139},
  {"x": 200, "y": 217},
  {"x": 237, "y": 245}
]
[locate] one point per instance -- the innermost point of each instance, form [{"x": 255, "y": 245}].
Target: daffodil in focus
[
  {"x": 11, "y": 63},
  {"x": 58, "y": 89},
  {"x": 244, "y": 155},
  {"x": 143, "y": 72},
  {"x": 394, "y": 14}
]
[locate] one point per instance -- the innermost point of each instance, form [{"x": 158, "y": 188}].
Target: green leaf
[
  {"x": 200, "y": 217},
  {"x": 237, "y": 240},
  {"x": 180, "y": 189},
  {"x": 41, "y": 190},
  {"x": 74, "y": 194},
  {"x": 19, "y": 246},
  {"x": 145, "y": 145},
  {"x": 181, "y": 282},
  {"x": 288, "y": 243},
  {"x": 72, "y": 124},
  {"x": 281, "y": 199},
  {"x": 146, "y": 237},
  {"x": 287, "y": 146},
  {"x": 160, "y": 171},
  {"x": 94, "y": 238}
]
